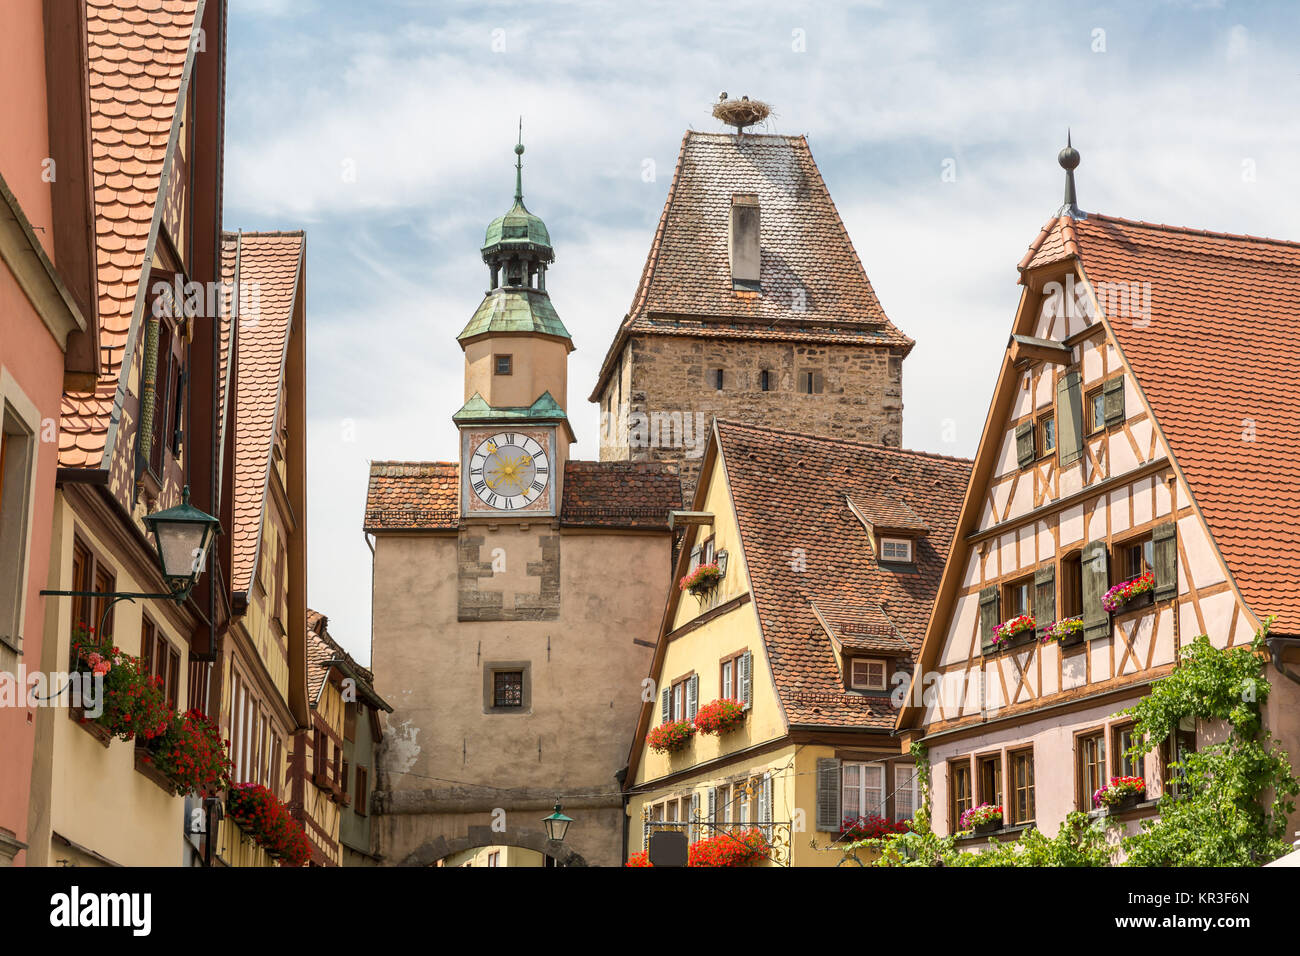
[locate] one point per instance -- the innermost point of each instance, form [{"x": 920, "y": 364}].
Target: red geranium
[
  {"x": 872, "y": 827},
  {"x": 268, "y": 822},
  {"x": 741, "y": 848},
  {"x": 671, "y": 736},
  {"x": 719, "y": 716},
  {"x": 192, "y": 754}
]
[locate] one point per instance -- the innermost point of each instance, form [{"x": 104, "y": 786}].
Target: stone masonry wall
[{"x": 666, "y": 397}]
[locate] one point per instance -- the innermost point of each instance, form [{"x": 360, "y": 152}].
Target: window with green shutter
[
  {"x": 1113, "y": 396},
  {"x": 1045, "y": 596},
  {"x": 1025, "y": 452},
  {"x": 1069, "y": 418},
  {"x": 1164, "y": 538},
  {"x": 1096, "y": 581},
  {"x": 989, "y": 618}
]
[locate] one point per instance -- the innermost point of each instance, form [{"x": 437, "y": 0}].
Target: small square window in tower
[
  {"x": 503, "y": 364},
  {"x": 765, "y": 380},
  {"x": 508, "y": 689}
]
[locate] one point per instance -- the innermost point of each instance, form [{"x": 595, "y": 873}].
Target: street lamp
[
  {"x": 557, "y": 824},
  {"x": 182, "y": 535}
]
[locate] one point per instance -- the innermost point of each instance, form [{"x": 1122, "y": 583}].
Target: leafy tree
[{"x": 1231, "y": 801}]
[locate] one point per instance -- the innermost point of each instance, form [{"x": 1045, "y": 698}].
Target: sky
[{"x": 386, "y": 129}]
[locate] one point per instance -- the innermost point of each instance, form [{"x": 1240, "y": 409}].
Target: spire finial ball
[
  {"x": 1068, "y": 158},
  {"x": 519, "y": 149}
]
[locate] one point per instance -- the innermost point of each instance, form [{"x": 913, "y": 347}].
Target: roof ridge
[
  {"x": 852, "y": 442},
  {"x": 1193, "y": 231}
]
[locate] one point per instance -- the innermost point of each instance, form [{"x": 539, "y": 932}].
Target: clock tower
[{"x": 514, "y": 432}]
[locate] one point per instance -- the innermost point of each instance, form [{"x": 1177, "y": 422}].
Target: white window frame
[
  {"x": 855, "y": 684},
  {"x": 860, "y": 772},
  {"x": 902, "y": 547},
  {"x": 728, "y": 680},
  {"x": 906, "y": 781}
]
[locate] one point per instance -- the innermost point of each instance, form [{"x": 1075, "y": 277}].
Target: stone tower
[
  {"x": 512, "y": 591},
  {"x": 752, "y": 306}
]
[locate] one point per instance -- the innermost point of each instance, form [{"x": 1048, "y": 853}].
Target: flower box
[
  {"x": 748, "y": 847},
  {"x": 191, "y": 755},
  {"x": 1124, "y": 594},
  {"x": 720, "y": 716},
  {"x": 871, "y": 827},
  {"x": 1066, "y": 631},
  {"x": 267, "y": 821},
  {"x": 702, "y": 579},
  {"x": 670, "y": 737},
  {"x": 1004, "y": 634},
  {"x": 133, "y": 701},
  {"x": 1120, "y": 793},
  {"x": 985, "y": 818}
]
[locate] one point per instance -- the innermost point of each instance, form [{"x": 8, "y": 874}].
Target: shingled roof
[
  {"x": 269, "y": 263},
  {"x": 1215, "y": 362},
  {"x": 423, "y": 496},
  {"x": 324, "y": 653},
  {"x": 137, "y": 50},
  {"x": 790, "y": 491},
  {"x": 814, "y": 288}
]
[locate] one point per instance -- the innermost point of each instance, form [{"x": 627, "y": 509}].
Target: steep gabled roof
[
  {"x": 814, "y": 287},
  {"x": 269, "y": 267},
  {"x": 1215, "y": 360},
  {"x": 324, "y": 653},
  {"x": 1207, "y": 329},
  {"x": 789, "y": 492},
  {"x": 138, "y": 50}
]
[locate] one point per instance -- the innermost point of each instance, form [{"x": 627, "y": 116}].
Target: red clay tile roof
[
  {"x": 888, "y": 513},
  {"x": 814, "y": 288},
  {"x": 1216, "y": 362},
  {"x": 269, "y": 268},
  {"x": 1054, "y": 242},
  {"x": 321, "y": 649},
  {"x": 619, "y": 494},
  {"x": 802, "y": 545},
  {"x": 136, "y": 54},
  {"x": 406, "y": 496},
  {"x": 229, "y": 263}
]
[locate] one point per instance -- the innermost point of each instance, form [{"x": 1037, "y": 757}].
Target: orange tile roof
[
  {"x": 423, "y": 495},
  {"x": 269, "y": 267},
  {"x": 407, "y": 495},
  {"x": 814, "y": 288},
  {"x": 803, "y": 546},
  {"x": 1215, "y": 360},
  {"x": 136, "y": 54},
  {"x": 619, "y": 494},
  {"x": 888, "y": 513},
  {"x": 1054, "y": 242},
  {"x": 321, "y": 649}
]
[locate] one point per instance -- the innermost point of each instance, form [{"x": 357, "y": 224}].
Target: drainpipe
[
  {"x": 621, "y": 777},
  {"x": 1276, "y": 644}
]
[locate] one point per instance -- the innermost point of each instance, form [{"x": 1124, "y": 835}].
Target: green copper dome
[
  {"x": 514, "y": 310},
  {"x": 518, "y": 229}
]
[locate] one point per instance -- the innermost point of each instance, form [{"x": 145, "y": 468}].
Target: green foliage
[
  {"x": 1233, "y": 797},
  {"x": 921, "y": 760},
  {"x": 1079, "y": 842}
]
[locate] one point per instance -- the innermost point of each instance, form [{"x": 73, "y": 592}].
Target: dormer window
[
  {"x": 866, "y": 673},
  {"x": 896, "y": 550}
]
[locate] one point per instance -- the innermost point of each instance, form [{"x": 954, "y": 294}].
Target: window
[
  {"x": 1072, "y": 585},
  {"x": 1135, "y": 557},
  {"x": 717, "y": 379},
  {"x": 320, "y": 756},
  {"x": 1022, "y": 786},
  {"x": 707, "y": 551},
  {"x": 160, "y": 659},
  {"x": 1046, "y": 435},
  {"x": 1177, "y": 745},
  {"x": 1095, "y": 407},
  {"x": 864, "y": 790},
  {"x": 907, "y": 788},
  {"x": 810, "y": 382},
  {"x": 866, "y": 673},
  {"x": 682, "y": 698},
  {"x": 16, "y": 445},
  {"x": 83, "y": 563},
  {"x": 494, "y": 858},
  {"x": 503, "y": 364},
  {"x": 724, "y": 804},
  {"x": 729, "y": 677},
  {"x": 990, "y": 779},
  {"x": 1017, "y": 598},
  {"x": 1123, "y": 740},
  {"x": 508, "y": 689},
  {"x": 765, "y": 381},
  {"x": 959, "y": 791},
  {"x": 363, "y": 793},
  {"x": 896, "y": 549},
  {"x": 1091, "y": 748},
  {"x": 105, "y": 582}
]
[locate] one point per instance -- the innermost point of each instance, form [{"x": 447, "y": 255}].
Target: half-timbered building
[
  {"x": 1136, "y": 485},
  {"x": 780, "y": 664}
]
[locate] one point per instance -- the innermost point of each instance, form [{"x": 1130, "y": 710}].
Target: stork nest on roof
[{"x": 741, "y": 113}]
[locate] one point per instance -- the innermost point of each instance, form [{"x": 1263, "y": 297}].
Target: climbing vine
[{"x": 1231, "y": 799}]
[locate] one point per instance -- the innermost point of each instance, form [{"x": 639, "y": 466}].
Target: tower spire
[
  {"x": 519, "y": 164},
  {"x": 1069, "y": 160}
]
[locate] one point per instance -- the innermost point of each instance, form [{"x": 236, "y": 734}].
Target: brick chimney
[{"x": 742, "y": 241}]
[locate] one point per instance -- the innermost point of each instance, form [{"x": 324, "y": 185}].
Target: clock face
[{"x": 509, "y": 471}]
